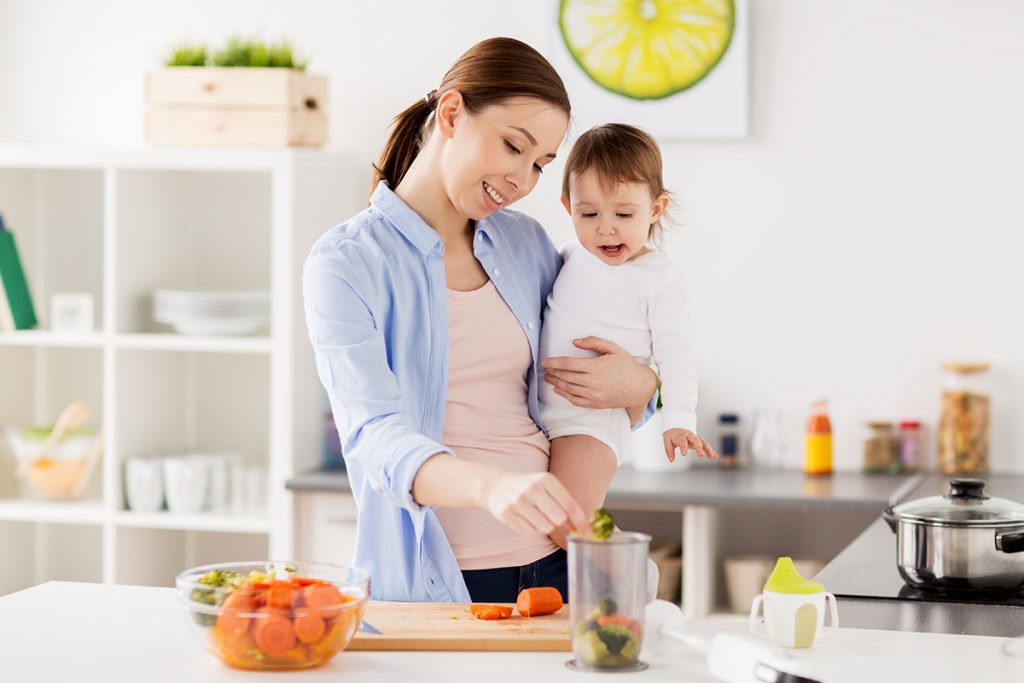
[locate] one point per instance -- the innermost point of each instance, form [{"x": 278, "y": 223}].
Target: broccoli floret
[
  {"x": 615, "y": 637},
  {"x": 601, "y": 524},
  {"x": 607, "y": 606}
]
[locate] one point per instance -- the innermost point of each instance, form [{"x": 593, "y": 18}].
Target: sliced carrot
[
  {"x": 490, "y": 612},
  {"x": 535, "y": 602},
  {"x": 309, "y": 628},
  {"x": 281, "y": 594},
  {"x": 229, "y": 620},
  {"x": 616, "y": 619},
  {"x": 274, "y": 635},
  {"x": 322, "y": 595},
  {"x": 304, "y": 581}
]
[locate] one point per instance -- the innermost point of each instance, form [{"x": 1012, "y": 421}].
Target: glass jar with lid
[
  {"x": 880, "y": 449},
  {"x": 964, "y": 418}
]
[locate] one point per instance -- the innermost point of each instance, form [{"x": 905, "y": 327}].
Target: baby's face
[{"x": 612, "y": 223}]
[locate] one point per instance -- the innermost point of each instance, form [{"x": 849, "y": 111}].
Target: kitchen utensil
[
  {"x": 732, "y": 657},
  {"x": 369, "y": 628},
  {"x": 229, "y": 626},
  {"x": 964, "y": 540},
  {"x": 448, "y": 626},
  {"x": 607, "y": 595},
  {"x": 144, "y": 484}
]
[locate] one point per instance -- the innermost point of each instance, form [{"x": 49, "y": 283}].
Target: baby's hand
[{"x": 684, "y": 440}]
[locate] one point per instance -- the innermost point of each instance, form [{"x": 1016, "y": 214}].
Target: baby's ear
[
  {"x": 566, "y": 204},
  {"x": 659, "y": 207}
]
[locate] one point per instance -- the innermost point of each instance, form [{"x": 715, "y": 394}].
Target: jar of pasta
[{"x": 964, "y": 418}]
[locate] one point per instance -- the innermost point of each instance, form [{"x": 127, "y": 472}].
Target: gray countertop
[{"x": 713, "y": 486}]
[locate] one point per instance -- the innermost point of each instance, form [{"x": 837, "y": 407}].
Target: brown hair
[
  {"x": 619, "y": 154},
  {"x": 490, "y": 72}
]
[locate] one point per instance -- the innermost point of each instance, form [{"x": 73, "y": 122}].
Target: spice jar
[
  {"x": 964, "y": 419},
  {"x": 729, "y": 439},
  {"x": 880, "y": 448},
  {"x": 910, "y": 446}
]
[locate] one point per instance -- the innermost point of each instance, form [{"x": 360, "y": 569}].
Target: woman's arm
[
  {"x": 612, "y": 380},
  {"x": 535, "y": 502}
]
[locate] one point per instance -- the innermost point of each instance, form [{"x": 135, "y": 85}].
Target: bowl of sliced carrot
[{"x": 274, "y": 615}]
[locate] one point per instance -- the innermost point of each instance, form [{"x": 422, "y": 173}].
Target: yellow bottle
[{"x": 818, "y": 441}]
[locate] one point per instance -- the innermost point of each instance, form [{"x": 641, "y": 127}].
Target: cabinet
[
  {"x": 325, "y": 527},
  {"x": 116, "y": 224}
]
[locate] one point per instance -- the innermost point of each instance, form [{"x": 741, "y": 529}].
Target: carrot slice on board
[
  {"x": 535, "y": 602},
  {"x": 490, "y": 612}
]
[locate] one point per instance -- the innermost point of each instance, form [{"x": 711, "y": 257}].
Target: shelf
[
  {"x": 177, "y": 342},
  {"x": 55, "y": 512},
  {"x": 47, "y": 339},
  {"x": 200, "y": 521}
]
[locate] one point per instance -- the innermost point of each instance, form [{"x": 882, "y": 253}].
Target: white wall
[{"x": 866, "y": 230}]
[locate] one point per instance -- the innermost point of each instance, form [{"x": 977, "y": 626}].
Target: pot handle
[
  {"x": 890, "y": 518},
  {"x": 1010, "y": 541}
]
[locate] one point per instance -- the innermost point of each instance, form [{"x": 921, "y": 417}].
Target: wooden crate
[{"x": 236, "y": 106}]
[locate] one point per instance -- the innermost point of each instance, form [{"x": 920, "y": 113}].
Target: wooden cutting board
[{"x": 448, "y": 626}]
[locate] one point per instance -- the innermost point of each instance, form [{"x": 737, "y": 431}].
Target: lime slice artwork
[{"x": 646, "y": 49}]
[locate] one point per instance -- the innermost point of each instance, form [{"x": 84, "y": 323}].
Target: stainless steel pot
[{"x": 963, "y": 540}]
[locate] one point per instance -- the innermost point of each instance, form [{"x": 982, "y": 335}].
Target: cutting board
[{"x": 448, "y": 626}]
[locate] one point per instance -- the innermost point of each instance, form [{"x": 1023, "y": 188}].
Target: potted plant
[{"x": 248, "y": 93}]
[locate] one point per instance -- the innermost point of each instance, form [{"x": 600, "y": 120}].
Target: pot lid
[{"x": 966, "y": 504}]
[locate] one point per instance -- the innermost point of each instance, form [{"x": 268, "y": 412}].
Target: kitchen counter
[
  {"x": 73, "y": 631},
  {"x": 868, "y": 567},
  {"x": 712, "y": 487}
]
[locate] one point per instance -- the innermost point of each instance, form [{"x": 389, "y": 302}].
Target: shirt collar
[{"x": 404, "y": 219}]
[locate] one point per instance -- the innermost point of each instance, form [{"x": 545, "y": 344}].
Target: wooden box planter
[{"x": 268, "y": 107}]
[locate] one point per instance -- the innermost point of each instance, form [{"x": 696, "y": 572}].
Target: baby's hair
[{"x": 619, "y": 153}]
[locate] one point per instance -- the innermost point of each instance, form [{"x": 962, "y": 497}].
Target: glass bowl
[{"x": 274, "y": 615}]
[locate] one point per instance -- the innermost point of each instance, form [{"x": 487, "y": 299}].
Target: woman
[{"x": 424, "y": 314}]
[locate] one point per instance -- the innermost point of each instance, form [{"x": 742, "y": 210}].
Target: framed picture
[{"x": 676, "y": 68}]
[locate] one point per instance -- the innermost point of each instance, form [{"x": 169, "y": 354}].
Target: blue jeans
[{"x": 503, "y": 584}]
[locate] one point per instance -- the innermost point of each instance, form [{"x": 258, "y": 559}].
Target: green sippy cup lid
[{"x": 786, "y": 579}]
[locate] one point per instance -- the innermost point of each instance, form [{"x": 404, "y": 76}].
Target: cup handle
[
  {"x": 754, "y": 623},
  {"x": 834, "y": 623}
]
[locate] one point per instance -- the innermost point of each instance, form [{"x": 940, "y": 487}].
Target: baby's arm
[
  {"x": 673, "y": 354},
  {"x": 585, "y": 467}
]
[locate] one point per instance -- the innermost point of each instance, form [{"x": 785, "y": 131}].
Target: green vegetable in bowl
[{"x": 218, "y": 580}]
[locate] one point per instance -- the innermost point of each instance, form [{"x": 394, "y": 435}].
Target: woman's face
[{"x": 495, "y": 157}]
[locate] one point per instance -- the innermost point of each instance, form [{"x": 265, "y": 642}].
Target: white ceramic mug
[
  {"x": 144, "y": 484},
  {"x": 185, "y": 482},
  {"x": 792, "y": 619}
]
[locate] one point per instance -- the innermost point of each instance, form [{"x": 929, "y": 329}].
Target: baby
[{"x": 616, "y": 284}]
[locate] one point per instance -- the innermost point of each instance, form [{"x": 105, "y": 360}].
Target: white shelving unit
[{"x": 117, "y": 224}]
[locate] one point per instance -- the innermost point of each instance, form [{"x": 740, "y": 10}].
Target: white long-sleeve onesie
[{"x": 641, "y": 306}]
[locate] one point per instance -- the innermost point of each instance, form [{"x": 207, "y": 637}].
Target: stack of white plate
[{"x": 212, "y": 313}]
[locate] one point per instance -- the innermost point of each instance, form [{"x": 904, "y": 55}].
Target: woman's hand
[
  {"x": 531, "y": 503},
  {"x": 684, "y": 440},
  {"x": 612, "y": 380}
]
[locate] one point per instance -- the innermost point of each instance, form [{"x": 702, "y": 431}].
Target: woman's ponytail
[{"x": 407, "y": 136}]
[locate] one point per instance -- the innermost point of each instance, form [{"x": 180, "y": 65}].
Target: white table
[{"x": 62, "y": 631}]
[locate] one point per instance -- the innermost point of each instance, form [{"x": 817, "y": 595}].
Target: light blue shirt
[{"x": 376, "y": 308}]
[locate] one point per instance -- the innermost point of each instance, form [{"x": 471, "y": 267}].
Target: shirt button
[
  {"x": 530, "y": 325},
  {"x": 479, "y": 237},
  {"x": 497, "y": 272}
]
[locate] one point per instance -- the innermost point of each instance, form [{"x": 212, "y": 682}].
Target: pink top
[{"x": 486, "y": 420}]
